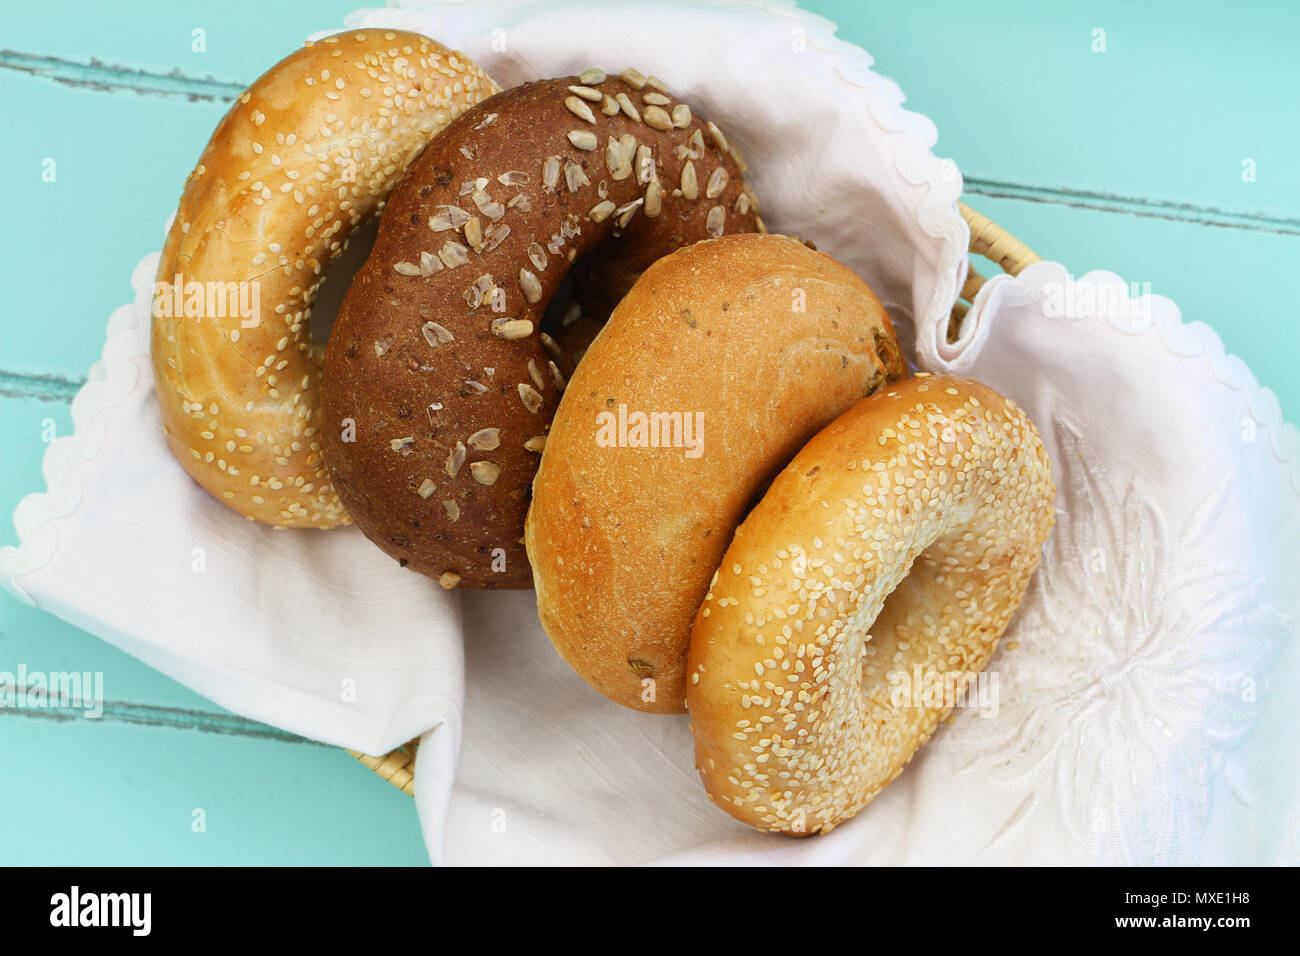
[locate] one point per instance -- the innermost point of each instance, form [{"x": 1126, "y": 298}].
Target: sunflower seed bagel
[
  {"x": 306, "y": 154},
  {"x": 735, "y": 351},
  {"x": 897, "y": 543},
  {"x": 440, "y": 382}
]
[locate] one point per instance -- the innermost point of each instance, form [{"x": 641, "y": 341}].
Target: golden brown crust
[
  {"x": 438, "y": 339},
  {"x": 765, "y": 338},
  {"x": 936, "y": 494},
  {"x": 305, "y": 155}
]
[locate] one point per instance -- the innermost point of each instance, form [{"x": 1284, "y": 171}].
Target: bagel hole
[{"x": 338, "y": 277}]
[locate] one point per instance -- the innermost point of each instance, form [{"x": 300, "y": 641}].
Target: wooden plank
[
  {"x": 119, "y": 165},
  {"x": 1183, "y": 93},
  {"x": 100, "y": 793},
  {"x": 240, "y": 38},
  {"x": 1236, "y": 281}
]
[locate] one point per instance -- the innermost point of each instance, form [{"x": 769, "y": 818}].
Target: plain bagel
[
  {"x": 898, "y": 542},
  {"x": 306, "y": 154},
  {"x": 440, "y": 380},
  {"x": 722, "y": 360}
]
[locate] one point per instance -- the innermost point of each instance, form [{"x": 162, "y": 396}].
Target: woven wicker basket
[{"x": 987, "y": 239}]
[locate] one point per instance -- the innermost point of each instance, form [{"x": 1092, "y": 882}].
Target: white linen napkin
[{"x": 319, "y": 633}]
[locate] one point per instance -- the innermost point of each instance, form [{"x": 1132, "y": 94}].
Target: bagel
[
  {"x": 759, "y": 338},
  {"x": 439, "y": 386},
  {"x": 900, "y": 540},
  {"x": 307, "y": 153}
]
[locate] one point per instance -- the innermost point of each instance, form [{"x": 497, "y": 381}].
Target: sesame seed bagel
[
  {"x": 757, "y": 340},
  {"x": 439, "y": 382},
  {"x": 306, "y": 154},
  {"x": 900, "y": 540}
]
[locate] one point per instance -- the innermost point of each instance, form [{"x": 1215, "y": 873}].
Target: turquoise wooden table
[{"x": 1161, "y": 143}]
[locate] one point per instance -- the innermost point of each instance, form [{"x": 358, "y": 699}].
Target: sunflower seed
[
  {"x": 739, "y": 159},
  {"x": 654, "y": 199},
  {"x": 536, "y": 375},
  {"x": 690, "y": 187},
  {"x": 436, "y": 335},
  {"x": 493, "y": 210},
  {"x": 716, "y": 221},
  {"x": 448, "y": 217},
  {"x": 759, "y": 225},
  {"x": 655, "y": 83},
  {"x": 571, "y": 314},
  {"x": 717, "y": 183},
  {"x": 655, "y": 99},
  {"x": 574, "y": 177},
  {"x": 645, "y": 165},
  {"x": 715, "y": 134},
  {"x": 426, "y": 488},
  {"x": 557, "y": 377},
  {"x": 453, "y": 512},
  {"x": 616, "y": 160},
  {"x": 583, "y": 139},
  {"x": 600, "y": 212},
  {"x": 487, "y": 121},
  {"x": 406, "y": 268},
  {"x": 531, "y": 397},
  {"x": 610, "y": 106},
  {"x": 474, "y": 233},
  {"x": 632, "y": 78},
  {"x": 579, "y": 108},
  {"x": 656, "y": 118},
  {"x": 537, "y": 256},
  {"x": 587, "y": 93},
  {"x": 485, "y": 439},
  {"x": 552, "y": 347},
  {"x": 536, "y": 444},
  {"x": 624, "y": 213},
  {"x": 429, "y": 264},
  {"x": 499, "y": 234},
  {"x": 514, "y": 329},
  {"x": 550, "y": 172},
  {"x": 696, "y": 142},
  {"x": 592, "y": 76},
  {"x": 628, "y": 107},
  {"x": 453, "y": 254},
  {"x": 742, "y": 204},
  {"x": 532, "y": 289},
  {"x": 456, "y": 459},
  {"x": 485, "y": 472},
  {"x": 514, "y": 177},
  {"x": 681, "y": 116}
]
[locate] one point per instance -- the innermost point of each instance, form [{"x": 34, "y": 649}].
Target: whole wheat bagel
[
  {"x": 306, "y": 154},
  {"x": 898, "y": 542},
  {"x": 735, "y": 351},
  {"x": 440, "y": 381}
]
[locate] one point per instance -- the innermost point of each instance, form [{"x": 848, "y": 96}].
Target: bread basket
[{"x": 987, "y": 239}]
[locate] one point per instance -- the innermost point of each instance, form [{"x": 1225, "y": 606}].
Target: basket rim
[{"x": 987, "y": 239}]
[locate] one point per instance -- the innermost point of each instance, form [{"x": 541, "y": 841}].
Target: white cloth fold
[{"x": 1142, "y": 715}]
